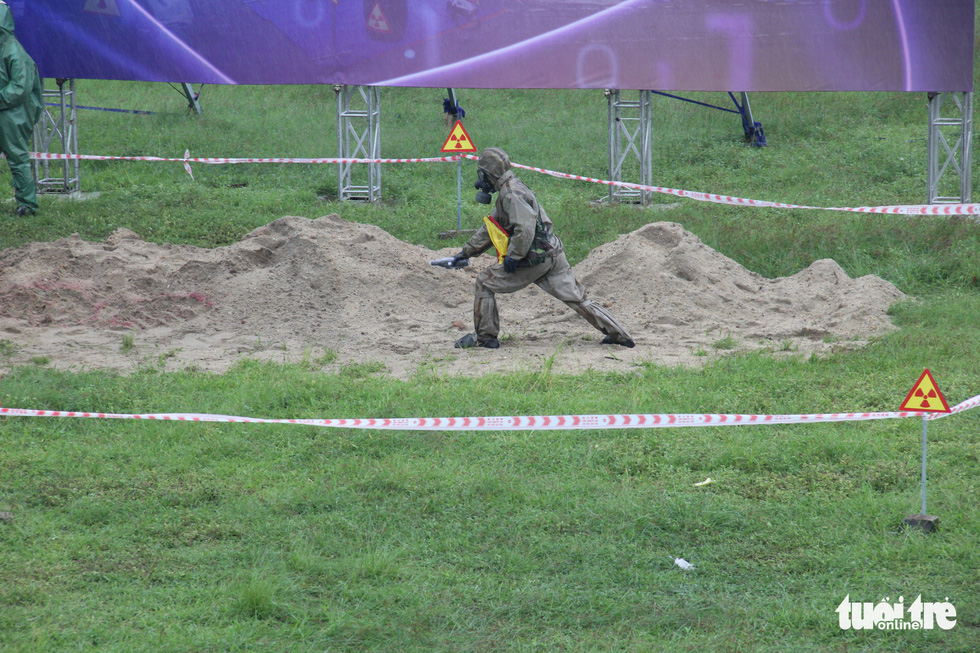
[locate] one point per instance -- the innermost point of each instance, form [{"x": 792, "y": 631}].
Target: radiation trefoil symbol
[
  {"x": 925, "y": 396},
  {"x": 377, "y": 20},
  {"x": 459, "y": 140}
]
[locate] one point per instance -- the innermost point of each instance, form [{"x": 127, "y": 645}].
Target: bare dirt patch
[{"x": 297, "y": 289}]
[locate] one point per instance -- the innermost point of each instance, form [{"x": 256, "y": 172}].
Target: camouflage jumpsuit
[{"x": 539, "y": 252}]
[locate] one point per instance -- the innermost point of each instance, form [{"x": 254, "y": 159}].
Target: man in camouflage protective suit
[
  {"x": 534, "y": 255},
  {"x": 21, "y": 104}
]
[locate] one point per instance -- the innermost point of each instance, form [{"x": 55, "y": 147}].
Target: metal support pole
[
  {"x": 358, "y": 137},
  {"x": 630, "y": 133},
  {"x": 923, "y": 521},
  {"x": 748, "y": 124},
  {"x": 192, "y": 103},
  {"x": 459, "y": 194},
  {"x": 925, "y": 422},
  {"x": 56, "y": 133},
  {"x": 950, "y": 120}
]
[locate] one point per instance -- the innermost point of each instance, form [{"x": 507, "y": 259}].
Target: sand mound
[
  {"x": 681, "y": 289},
  {"x": 297, "y": 288}
]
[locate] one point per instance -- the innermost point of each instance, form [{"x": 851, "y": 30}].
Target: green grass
[
  {"x": 222, "y": 536},
  {"x": 137, "y": 535}
]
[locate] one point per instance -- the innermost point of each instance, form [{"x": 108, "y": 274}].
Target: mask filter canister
[{"x": 483, "y": 188}]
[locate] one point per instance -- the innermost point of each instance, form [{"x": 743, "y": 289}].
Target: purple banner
[{"x": 679, "y": 45}]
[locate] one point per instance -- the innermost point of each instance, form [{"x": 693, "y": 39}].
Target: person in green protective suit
[
  {"x": 533, "y": 253},
  {"x": 20, "y": 109}
]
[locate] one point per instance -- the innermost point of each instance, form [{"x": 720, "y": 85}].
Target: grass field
[{"x": 129, "y": 536}]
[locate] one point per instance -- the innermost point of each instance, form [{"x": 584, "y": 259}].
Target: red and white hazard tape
[
  {"x": 901, "y": 209},
  {"x": 968, "y": 404},
  {"x": 48, "y": 156},
  {"x": 898, "y": 209},
  {"x": 512, "y": 423}
]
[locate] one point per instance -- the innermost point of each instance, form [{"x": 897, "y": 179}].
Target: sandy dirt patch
[{"x": 297, "y": 289}]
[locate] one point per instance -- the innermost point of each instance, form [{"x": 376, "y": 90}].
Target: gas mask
[{"x": 483, "y": 187}]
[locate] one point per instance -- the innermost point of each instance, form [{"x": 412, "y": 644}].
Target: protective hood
[
  {"x": 494, "y": 162},
  {"x": 6, "y": 21}
]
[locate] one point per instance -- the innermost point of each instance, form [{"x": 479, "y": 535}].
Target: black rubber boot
[
  {"x": 622, "y": 343},
  {"x": 470, "y": 340}
]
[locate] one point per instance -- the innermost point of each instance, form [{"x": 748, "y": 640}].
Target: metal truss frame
[
  {"x": 630, "y": 137},
  {"x": 358, "y": 137},
  {"x": 950, "y": 121},
  {"x": 58, "y": 129}
]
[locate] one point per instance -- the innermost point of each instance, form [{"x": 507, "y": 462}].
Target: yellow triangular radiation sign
[
  {"x": 377, "y": 20},
  {"x": 458, "y": 141},
  {"x": 925, "y": 396},
  {"x": 107, "y": 7}
]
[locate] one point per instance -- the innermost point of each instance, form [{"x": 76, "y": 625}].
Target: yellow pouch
[{"x": 498, "y": 237}]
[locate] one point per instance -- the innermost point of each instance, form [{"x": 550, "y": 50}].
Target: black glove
[
  {"x": 510, "y": 265},
  {"x": 459, "y": 258}
]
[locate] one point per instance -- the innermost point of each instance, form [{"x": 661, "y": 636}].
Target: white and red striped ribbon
[
  {"x": 46, "y": 156},
  {"x": 513, "y": 423},
  {"x": 901, "y": 209},
  {"x": 897, "y": 209},
  {"x": 965, "y": 405}
]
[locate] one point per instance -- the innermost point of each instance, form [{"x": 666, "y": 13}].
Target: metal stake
[
  {"x": 925, "y": 422},
  {"x": 923, "y": 521},
  {"x": 459, "y": 194}
]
